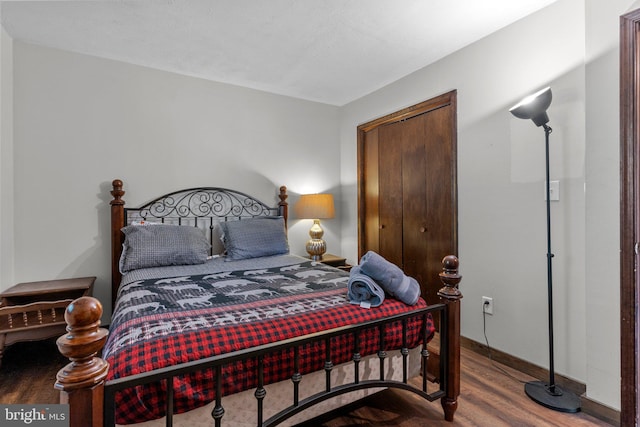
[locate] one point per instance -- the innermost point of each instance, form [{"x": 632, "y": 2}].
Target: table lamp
[{"x": 316, "y": 207}]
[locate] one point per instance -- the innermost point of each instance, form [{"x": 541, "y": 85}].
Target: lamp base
[
  {"x": 316, "y": 248},
  {"x": 558, "y": 400}
]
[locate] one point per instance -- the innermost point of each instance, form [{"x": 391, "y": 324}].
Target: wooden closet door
[
  {"x": 407, "y": 204},
  {"x": 429, "y": 205}
]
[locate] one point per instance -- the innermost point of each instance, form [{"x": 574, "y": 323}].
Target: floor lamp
[{"x": 534, "y": 107}]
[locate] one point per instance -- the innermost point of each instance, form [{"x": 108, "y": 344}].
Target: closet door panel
[
  {"x": 441, "y": 209},
  {"x": 414, "y": 203},
  {"x": 368, "y": 200},
  {"x": 441, "y": 180},
  {"x": 390, "y": 148}
]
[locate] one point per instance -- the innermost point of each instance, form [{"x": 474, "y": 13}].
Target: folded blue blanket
[
  {"x": 363, "y": 289},
  {"x": 390, "y": 277}
]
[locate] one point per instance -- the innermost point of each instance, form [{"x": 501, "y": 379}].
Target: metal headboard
[{"x": 203, "y": 204}]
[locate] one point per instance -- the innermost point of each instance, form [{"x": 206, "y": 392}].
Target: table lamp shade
[{"x": 315, "y": 206}]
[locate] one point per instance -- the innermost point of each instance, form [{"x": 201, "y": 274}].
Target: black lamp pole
[
  {"x": 552, "y": 376},
  {"x": 546, "y": 394},
  {"x": 549, "y": 394}
]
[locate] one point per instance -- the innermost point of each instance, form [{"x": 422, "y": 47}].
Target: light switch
[{"x": 554, "y": 191}]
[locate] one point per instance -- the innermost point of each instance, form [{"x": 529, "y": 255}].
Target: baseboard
[{"x": 595, "y": 409}]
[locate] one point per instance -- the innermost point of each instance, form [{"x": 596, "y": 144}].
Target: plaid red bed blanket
[{"x": 164, "y": 322}]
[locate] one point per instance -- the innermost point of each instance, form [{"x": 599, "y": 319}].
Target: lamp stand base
[{"x": 558, "y": 399}]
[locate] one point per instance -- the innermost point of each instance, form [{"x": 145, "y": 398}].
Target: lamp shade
[
  {"x": 315, "y": 206},
  {"x": 534, "y": 107}
]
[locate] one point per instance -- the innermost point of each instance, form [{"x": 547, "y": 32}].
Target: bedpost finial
[
  {"x": 83, "y": 340},
  {"x": 82, "y": 313},
  {"x": 450, "y": 263},
  {"x": 117, "y": 192},
  {"x": 450, "y": 278},
  {"x": 283, "y": 194}
]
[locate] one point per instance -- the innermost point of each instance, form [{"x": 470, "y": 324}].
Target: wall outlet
[{"x": 487, "y": 305}]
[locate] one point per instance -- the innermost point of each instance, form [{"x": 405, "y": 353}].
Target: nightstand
[
  {"x": 35, "y": 310},
  {"x": 335, "y": 261}
]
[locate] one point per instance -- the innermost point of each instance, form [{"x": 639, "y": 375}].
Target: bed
[{"x": 215, "y": 322}]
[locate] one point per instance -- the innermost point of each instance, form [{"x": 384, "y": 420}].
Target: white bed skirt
[{"x": 241, "y": 408}]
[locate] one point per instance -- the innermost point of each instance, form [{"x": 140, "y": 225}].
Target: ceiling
[{"x": 329, "y": 51}]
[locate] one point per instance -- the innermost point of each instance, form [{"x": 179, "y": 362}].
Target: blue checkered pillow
[
  {"x": 160, "y": 245},
  {"x": 255, "y": 237}
]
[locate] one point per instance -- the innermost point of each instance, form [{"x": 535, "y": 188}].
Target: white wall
[
  {"x": 82, "y": 121},
  {"x": 6, "y": 159},
  {"x": 502, "y": 218}
]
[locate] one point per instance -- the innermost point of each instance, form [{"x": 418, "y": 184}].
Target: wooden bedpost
[
  {"x": 81, "y": 382},
  {"x": 451, "y": 296},
  {"x": 117, "y": 238},
  {"x": 283, "y": 204}
]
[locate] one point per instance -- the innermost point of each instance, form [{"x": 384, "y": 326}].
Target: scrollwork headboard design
[{"x": 198, "y": 207}]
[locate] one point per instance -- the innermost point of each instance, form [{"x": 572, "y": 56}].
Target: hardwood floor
[
  {"x": 488, "y": 396},
  {"x": 28, "y": 372}
]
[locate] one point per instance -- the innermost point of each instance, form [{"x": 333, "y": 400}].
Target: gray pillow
[
  {"x": 160, "y": 245},
  {"x": 254, "y": 237}
]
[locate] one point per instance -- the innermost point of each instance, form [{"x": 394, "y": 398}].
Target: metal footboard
[{"x": 217, "y": 362}]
